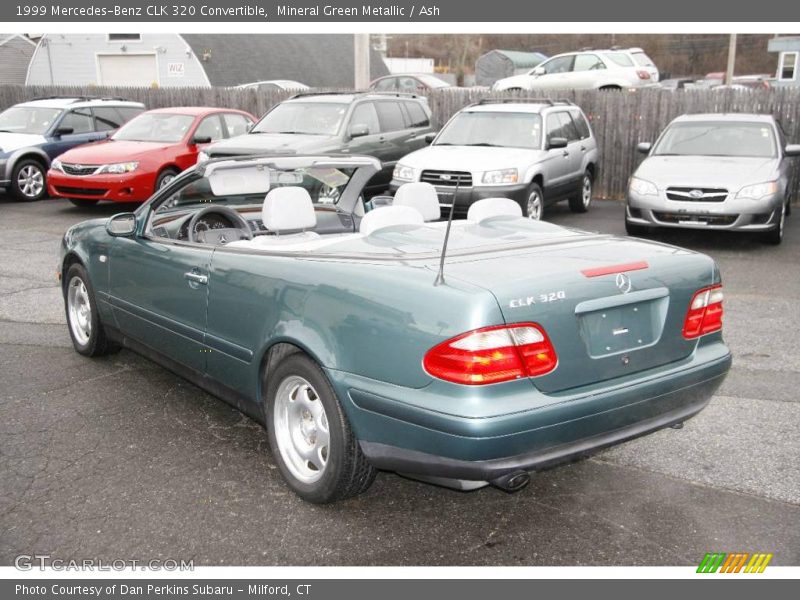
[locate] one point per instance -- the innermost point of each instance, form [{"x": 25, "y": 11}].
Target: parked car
[
  {"x": 33, "y": 133},
  {"x": 143, "y": 156},
  {"x": 537, "y": 345},
  {"x": 274, "y": 84},
  {"x": 384, "y": 125},
  {"x": 593, "y": 69},
  {"x": 413, "y": 83},
  {"x": 714, "y": 171},
  {"x": 535, "y": 152},
  {"x": 678, "y": 83}
]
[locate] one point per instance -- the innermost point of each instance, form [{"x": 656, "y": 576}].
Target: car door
[
  {"x": 557, "y": 72},
  {"x": 397, "y": 135},
  {"x": 373, "y": 143},
  {"x": 586, "y": 70},
  {"x": 558, "y": 171},
  {"x": 158, "y": 289},
  {"x": 81, "y": 123},
  {"x": 575, "y": 146}
]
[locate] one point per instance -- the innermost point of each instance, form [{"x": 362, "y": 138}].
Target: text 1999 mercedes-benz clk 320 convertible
[{"x": 263, "y": 281}]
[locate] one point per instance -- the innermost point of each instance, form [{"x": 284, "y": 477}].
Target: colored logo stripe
[{"x": 734, "y": 562}]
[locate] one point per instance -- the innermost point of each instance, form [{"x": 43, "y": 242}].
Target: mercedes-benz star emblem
[{"x": 623, "y": 282}]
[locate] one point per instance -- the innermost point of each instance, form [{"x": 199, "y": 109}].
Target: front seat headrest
[{"x": 288, "y": 209}]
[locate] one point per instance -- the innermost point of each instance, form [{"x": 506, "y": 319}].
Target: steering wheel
[{"x": 240, "y": 230}]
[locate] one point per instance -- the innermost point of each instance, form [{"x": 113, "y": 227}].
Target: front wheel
[
  {"x": 534, "y": 204},
  {"x": 775, "y": 236},
  {"x": 85, "y": 329},
  {"x": 165, "y": 177},
  {"x": 28, "y": 182},
  {"x": 310, "y": 437},
  {"x": 580, "y": 203},
  {"x": 636, "y": 230}
]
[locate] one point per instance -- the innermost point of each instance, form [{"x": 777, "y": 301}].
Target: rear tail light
[
  {"x": 643, "y": 74},
  {"x": 492, "y": 355},
  {"x": 705, "y": 313}
]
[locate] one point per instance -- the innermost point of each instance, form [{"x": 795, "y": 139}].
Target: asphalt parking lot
[{"x": 119, "y": 459}]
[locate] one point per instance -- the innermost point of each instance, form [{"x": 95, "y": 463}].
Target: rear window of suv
[
  {"x": 619, "y": 58},
  {"x": 641, "y": 59}
]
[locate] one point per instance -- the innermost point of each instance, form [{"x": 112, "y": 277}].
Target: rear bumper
[
  {"x": 467, "y": 196},
  {"x": 117, "y": 188},
  {"x": 396, "y": 433}
]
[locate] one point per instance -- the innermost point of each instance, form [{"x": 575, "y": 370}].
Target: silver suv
[
  {"x": 613, "y": 69},
  {"x": 536, "y": 152},
  {"x": 714, "y": 171}
]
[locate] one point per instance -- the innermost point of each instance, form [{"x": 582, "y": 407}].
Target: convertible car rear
[{"x": 264, "y": 281}]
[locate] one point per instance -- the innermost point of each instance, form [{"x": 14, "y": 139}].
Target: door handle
[
  {"x": 583, "y": 148},
  {"x": 565, "y": 154},
  {"x": 196, "y": 278}
]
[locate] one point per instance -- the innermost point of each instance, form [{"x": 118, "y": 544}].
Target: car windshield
[
  {"x": 311, "y": 118},
  {"x": 28, "y": 119},
  {"x": 485, "y": 128},
  {"x": 155, "y": 127},
  {"x": 717, "y": 138}
]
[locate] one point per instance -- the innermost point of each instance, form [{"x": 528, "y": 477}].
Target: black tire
[
  {"x": 95, "y": 343},
  {"x": 165, "y": 177},
  {"x": 83, "y": 202},
  {"x": 636, "y": 230},
  {"x": 347, "y": 471},
  {"x": 528, "y": 203},
  {"x": 581, "y": 202},
  {"x": 774, "y": 236},
  {"x": 21, "y": 192}
]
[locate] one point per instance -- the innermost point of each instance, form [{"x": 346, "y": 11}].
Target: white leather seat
[
  {"x": 422, "y": 196},
  {"x": 286, "y": 212},
  {"x": 489, "y": 208},
  {"x": 388, "y": 217}
]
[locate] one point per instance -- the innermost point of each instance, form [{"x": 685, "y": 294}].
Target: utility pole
[
  {"x": 361, "y": 60},
  {"x": 731, "y": 60}
]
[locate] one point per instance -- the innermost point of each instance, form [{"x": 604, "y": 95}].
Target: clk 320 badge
[{"x": 538, "y": 299}]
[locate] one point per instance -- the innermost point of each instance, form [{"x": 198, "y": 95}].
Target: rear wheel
[
  {"x": 311, "y": 440},
  {"x": 28, "y": 182},
  {"x": 85, "y": 329},
  {"x": 580, "y": 203},
  {"x": 82, "y": 202},
  {"x": 775, "y": 236},
  {"x": 534, "y": 203}
]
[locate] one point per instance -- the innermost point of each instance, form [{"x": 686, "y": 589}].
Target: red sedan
[{"x": 143, "y": 155}]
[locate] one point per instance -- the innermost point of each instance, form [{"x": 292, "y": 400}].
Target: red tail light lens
[
  {"x": 705, "y": 313},
  {"x": 492, "y": 355},
  {"x": 643, "y": 74}
]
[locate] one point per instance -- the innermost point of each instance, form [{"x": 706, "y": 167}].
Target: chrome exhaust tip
[{"x": 512, "y": 482}]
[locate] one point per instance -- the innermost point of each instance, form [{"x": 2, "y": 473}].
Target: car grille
[
  {"x": 80, "y": 191},
  {"x": 79, "y": 169},
  {"x": 707, "y": 219},
  {"x": 447, "y": 178},
  {"x": 690, "y": 194}
]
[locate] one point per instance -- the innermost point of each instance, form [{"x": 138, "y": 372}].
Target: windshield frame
[{"x": 660, "y": 141}]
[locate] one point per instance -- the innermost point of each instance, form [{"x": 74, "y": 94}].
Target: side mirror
[
  {"x": 557, "y": 142},
  {"x": 358, "y": 130},
  {"x": 430, "y": 137},
  {"x": 792, "y": 150},
  {"x": 538, "y": 71},
  {"x": 644, "y": 147},
  {"x": 121, "y": 225},
  {"x": 201, "y": 139},
  {"x": 63, "y": 131}
]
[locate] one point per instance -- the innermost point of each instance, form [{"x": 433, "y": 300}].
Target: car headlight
[
  {"x": 118, "y": 168},
  {"x": 642, "y": 187},
  {"x": 500, "y": 176},
  {"x": 202, "y": 157},
  {"x": 403, "y": 173},
  {"x": 758, "y": 190},
  {"x": 56, "y": 165}
]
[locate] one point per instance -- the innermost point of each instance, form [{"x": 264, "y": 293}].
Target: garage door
[{"x": 127, "y": 69}]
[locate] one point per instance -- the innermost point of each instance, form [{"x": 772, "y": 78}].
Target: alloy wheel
[
  {"x": 79, "y": 310},
  {"x": 30, "y": 181}
]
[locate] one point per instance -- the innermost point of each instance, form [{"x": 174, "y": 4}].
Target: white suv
[
  {"x": 533, "y": 151},
  {"x": 591, "y": 69}
]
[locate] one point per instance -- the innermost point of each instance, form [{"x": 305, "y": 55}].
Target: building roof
[{"x": 317, "y": 60}]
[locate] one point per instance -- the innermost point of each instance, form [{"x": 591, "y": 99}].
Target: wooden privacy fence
[{"x": 620, "y": 119}]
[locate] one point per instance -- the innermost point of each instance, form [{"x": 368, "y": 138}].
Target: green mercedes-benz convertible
[{"x": 361, "y": 346}]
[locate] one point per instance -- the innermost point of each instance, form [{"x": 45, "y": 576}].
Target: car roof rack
[
  {"x": 548, "y": 101},
  {"x": 356, "y": 93},
  {"x": 75, "y": 99}
]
